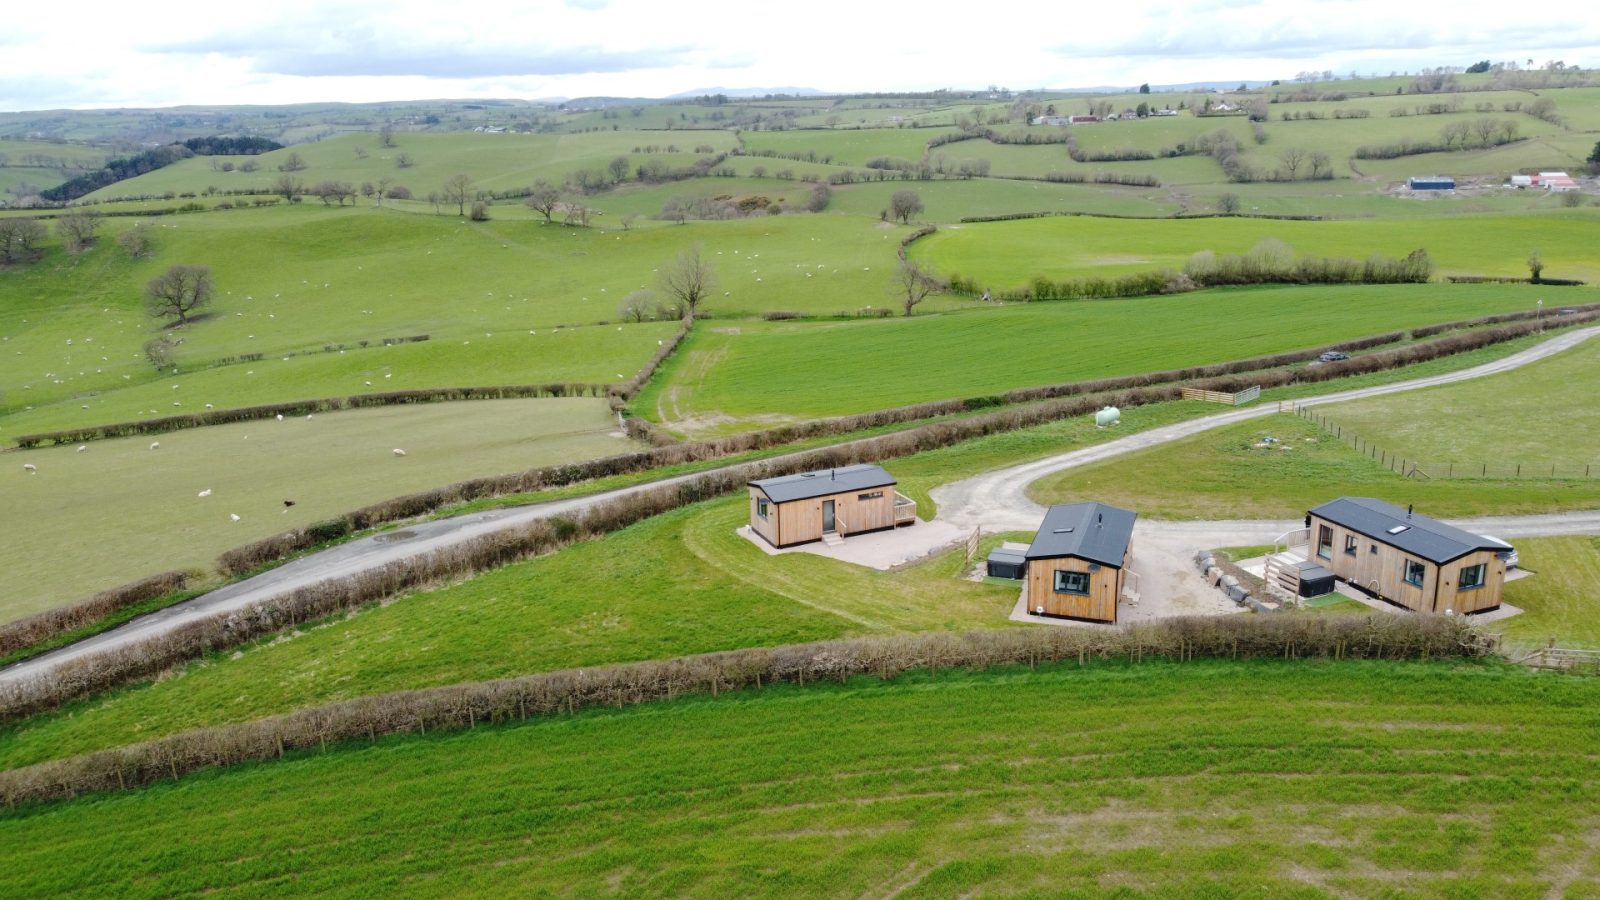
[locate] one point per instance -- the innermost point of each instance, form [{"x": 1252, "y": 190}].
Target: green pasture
[
  {"x": 752, "y": 371},
  {"x": 364, "y": 275},
  {"x": 1345, "y": 198},
  {"x": 1226, "y": 475},
  {"x": 119, "y": 510},
  {"x": 1007, "y": 254},
  {"x": 496, "y": 162},
  {"x": 44, "y": 164},
  {"x": 1559, "y": 600},
  {"x": 1355, "y": 779},
  {"x": 1495, "y": 165},
  {"x": 1537, "y": 416},
  {"x": 846, "y": 146},
  {"x": 1340, "y": 138}
]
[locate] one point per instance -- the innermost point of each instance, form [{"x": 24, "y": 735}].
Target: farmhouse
[
  {"x": 1407, "y": 559},
  {"x": 1078, "y": 562},
  {"x": 827, "y": 505},
  {"x": 1052, "y": 120},
  {"x": 1431, "y": 183}
]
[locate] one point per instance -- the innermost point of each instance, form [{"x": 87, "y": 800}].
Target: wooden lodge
[
  {"x": 1078, "y": 562},
  {"x": 1406, "y": 559},
  {"x": 827, "y": 505}
]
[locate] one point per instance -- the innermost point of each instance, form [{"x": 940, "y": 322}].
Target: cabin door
[{"x": 827, "y": 517}]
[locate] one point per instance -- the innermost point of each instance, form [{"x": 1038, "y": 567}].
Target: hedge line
[
  {"x": 302, "y": 407},
  {"x": 50, "y": 623},
  {"x": 464, "y": 706},
  {"x": 1135, "y": 390},
  {"x": 1501, "y": 279}
]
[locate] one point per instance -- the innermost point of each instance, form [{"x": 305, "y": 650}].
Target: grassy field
[
  {"x": 847, "y": 146},
  {"x": 496, "y": 162},
  {"x": 1560, "y": 602},
  {"x": 92, "y": 520},
  {"x": 44, "y": 164},
  {"x": 1537, "y": 416},
  {"x": 678, "y": 584},
  {"x": 1007, "y": 254},
  {"x": 806, "y": 369},
  {"x": 1356, "y": 779},
  {"x": 1226, "y": 476}
]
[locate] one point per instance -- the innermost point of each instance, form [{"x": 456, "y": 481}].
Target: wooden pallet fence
[{"x": 1248, "y": 395}]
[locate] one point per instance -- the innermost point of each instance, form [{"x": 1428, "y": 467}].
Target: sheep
[
  {"x": 155, "y": 445},
  {"x": 233, "y": 517},
  {"x": 30, "y": 468},
  {"x": 399, "y": 452},
  {"x": 82, "y": 447},
  {"x": 206, "y": 492},
  {"x": 280, "y": 417}
]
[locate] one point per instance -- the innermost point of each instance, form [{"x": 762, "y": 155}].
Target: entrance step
[{"x": 832, "y": 539}]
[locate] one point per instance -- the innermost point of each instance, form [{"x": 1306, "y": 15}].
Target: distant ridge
[{"x": 749, "y": 92}]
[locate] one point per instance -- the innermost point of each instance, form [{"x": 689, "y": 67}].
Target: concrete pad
[{"x": 881, "y": 550}]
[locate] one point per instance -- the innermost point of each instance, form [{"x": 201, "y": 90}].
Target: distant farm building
[
  {"x": 1409, "y": 560},
  {"x": 827, "y": 505},
  {"x": 1078, "y": 561},
  {"x": 1065, "y": 120},
  {"x": 1554, "y": 182},
  {"x": 1163, "y": 112},
  {"x": 1431, "y": 183}
]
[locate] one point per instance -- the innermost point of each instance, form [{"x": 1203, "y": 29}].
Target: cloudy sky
[{"x": 96, "y": 53}]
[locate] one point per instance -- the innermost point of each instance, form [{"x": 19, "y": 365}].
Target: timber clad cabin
[
  {"x": 1409, "y": 560},
  {"x": 1078, "y": 562},
  {"x": 827, "y": 505}
]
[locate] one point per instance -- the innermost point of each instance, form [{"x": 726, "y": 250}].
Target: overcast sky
[{"x": 95, "y": 53}]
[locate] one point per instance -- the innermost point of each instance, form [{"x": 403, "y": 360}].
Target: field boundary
[
  {"x": 464, "y": 706},
  {"x": 1446, "y": 469}
]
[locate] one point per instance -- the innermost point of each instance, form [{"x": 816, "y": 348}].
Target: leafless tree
[
  {"x": 905, "y": 205},
  {"x": 293, "y": 163},
  {"x": 20, "y": 239},
  {"x": 543, "y": 199},
  {"x": 912, "y": 284},
  {"x": 480, "y": 211},
  {"x": 178, "y": 291},
  {"x": 289, "y": 186},
  {"x": 135, "y": 241},
  {"x": 458, "y": 190},
  {"x": 627, "y": 220},
  {"x": 689, "y": 278},
  {"x": 334, "y": 192},
  {"x": 361, "y": 152},
  {"x": 1321, "y": 165},
  {"x": 386, "y": 135},
  {"x": 1292, "y": 157},
  {"x": 618, "y": 167},
  {"x": 636, "y": 307},
  {"x": 575, "y": 213},
  {"x": 675, "y": 209},
  {"x": 383, "y": 188},
  {"x": 1228, "y": 203},
  {"x": 77, "y": 229},
  {"x": 404, "y": 161},
  {"x": 1485, "y": 129}
]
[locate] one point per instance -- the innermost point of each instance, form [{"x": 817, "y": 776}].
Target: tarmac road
[{"x": 996, "y": 500}]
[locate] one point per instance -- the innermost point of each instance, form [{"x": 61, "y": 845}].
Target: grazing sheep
[
  {"x": 206, "y": 492},
  {"x": 82, "y": 447},
  {"x": 155, "y": 445},
  {"x": 399, "y": 452},
  {"x": 30, "y": 468},
  {"x": 280, "y": 417},
  {"x": 234, "y": 517}
]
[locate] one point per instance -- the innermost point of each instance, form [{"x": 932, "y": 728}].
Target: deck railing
[{"x": 905, "y": 509}]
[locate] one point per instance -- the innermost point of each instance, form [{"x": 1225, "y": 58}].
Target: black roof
[
  {"x": 1417, "y": 535},
  {"x": 1092, "y": 531},
  {"x": 822, "y": 483}
]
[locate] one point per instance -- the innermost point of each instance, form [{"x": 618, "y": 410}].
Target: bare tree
[
  {"x": 135, "y": 241},
  {"x": 77, "y": 229},
  {"x": 689, "y": 278},
  {"x": 1321, "y": 165},
  {"x": 178, "y": 291},
  {"x": 912, "y": 284},
  {"x": 575, "y": 213},
  {"x": 334, "y": 192},
  {"x": 675, "y": 209},
  {"x": 480, "y": 211},
  {"x": 1228, "y": 204},
  {"x": 293, "y": 163},
  {"x": 1485, "y": 129},
  {"x": 627, "y": 220},
  {"x": 1292, "y": 157},
  {"x": 458, "y": 190},
  {"x": 361, "y": 152},
  {"x": 20, "y": 239},
  {"x": 904, "y": 205},
  {"x": 404, "y": 161},
  {"x": 383, "y": 189},
  {"x": 289, "y": 186},
  {"x": 636, "y": 307},
  {"x": 386, "y": 135},
  {"x": 543, "y": 199},
  {"x": 618, "y": 167}
]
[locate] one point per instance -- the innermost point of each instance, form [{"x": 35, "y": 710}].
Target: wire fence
[{"x": 1435, "y": 469}]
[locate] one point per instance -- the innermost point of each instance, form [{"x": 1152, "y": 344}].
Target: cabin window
[
  {"x": 761, "y": 507},
  {"x": 1350, "y": 544},
  {"x": 875, "y": 495},
  {"x": 1472, "y": 577},
  {"x": 1072, "y": 582},
  {"x": 1324, "y": 542},
  {"x": 1415, "y": 572}
]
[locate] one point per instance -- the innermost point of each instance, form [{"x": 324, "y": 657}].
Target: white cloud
[{"x": 185, "y": 51}]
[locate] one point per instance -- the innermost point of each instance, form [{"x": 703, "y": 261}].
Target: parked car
[
  {"x": 1334, "y": 356},
  {"x": 1508, "y": 555}
]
